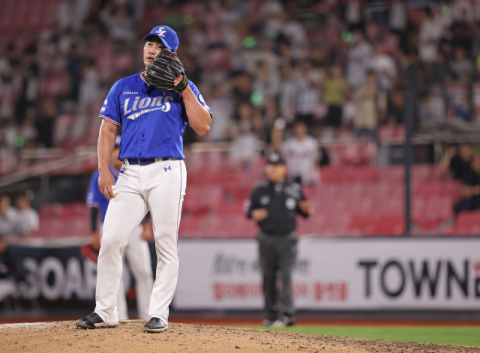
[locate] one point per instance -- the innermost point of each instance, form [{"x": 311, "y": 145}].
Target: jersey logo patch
[
  {"x": 146, "y": 105},
  {"x": 290, "y": 203},
  {"x": 167, "y": 168},
  {"x": 265, "y": 200},
  {"x": 161, "y": 32}
]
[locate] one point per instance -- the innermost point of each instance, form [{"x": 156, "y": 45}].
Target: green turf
[{"x": 460, "y": 335}]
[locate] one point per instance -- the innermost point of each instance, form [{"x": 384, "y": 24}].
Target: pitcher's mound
[{"x": 129, "y": 337}]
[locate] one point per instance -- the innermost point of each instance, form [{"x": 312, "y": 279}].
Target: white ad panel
[{"x": 348, "y": 274}]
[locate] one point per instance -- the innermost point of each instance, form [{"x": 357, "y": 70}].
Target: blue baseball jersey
[
  {"x": 95, "y": 198},
  {"x": 152, "y": 121}
]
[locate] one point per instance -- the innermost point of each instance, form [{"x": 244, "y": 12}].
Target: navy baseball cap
[
  {"x": 167, "y": 35},
  {"x": 275, "y": 158}
]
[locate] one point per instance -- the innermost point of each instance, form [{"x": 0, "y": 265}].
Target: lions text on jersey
[{"x": 152, "y": 121}]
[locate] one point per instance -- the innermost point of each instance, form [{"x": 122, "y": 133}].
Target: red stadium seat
[
  {"x": 392, "y": 174},
  {"x": 361, "y": 224},
  {"x": 332, "y": 175},
  {"x": 188, "y": 226},
  {"x": 389, "y": 224},
  {"x": 467, "y": 223}
]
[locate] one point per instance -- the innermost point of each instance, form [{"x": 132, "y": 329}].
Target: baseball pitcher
[
  {"x": 136, "y": 251},
  {"x": 152, "y": 108}
]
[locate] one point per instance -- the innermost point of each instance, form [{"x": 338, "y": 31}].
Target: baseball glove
[
  {"x": 89, "y": 252},
  {"x": 162, "y": 72}
]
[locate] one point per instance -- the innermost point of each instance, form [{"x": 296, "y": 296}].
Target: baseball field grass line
[{"x": 465, "y": 336}]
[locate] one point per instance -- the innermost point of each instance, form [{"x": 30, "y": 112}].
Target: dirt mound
[{"x": 129, "y": 337}]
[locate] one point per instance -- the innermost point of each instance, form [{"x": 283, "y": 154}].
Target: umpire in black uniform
[{"x": 274, "y": 204}]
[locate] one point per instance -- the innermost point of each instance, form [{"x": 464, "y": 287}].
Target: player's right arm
[
  {"x": 110, "y": 113},
  {"x": 106, "y": 143}
]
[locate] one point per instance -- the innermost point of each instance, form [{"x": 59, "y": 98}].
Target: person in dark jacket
[
  {"x": 274, "y": 205},
  {"x": 470, "y": 188}
]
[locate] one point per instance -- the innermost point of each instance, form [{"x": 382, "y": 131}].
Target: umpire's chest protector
[{"x": 152, "y": 121}]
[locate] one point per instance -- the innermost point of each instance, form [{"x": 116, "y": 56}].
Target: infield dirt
[{"x": 129, "y": 337}]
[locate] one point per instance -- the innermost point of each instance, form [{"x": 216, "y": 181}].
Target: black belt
[{"x": 147, "y": 161}]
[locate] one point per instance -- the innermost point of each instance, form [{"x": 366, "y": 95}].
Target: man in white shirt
[
  {"x": 26, "y": 219},
  {"x": 301, "y": 154},
  {"x": 359, "y": 56},
  {"x": 7, "y": 216},
  {"x": 384, "y": 67},
  {"x": 429, "y": 36}
]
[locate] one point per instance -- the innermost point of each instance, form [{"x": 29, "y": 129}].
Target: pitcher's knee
[{"x": 110, "y": 244}]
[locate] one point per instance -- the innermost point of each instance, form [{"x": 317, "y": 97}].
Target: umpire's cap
[
  {"x": 275, "y": 158},
  {"x": 167, "y": 35}
]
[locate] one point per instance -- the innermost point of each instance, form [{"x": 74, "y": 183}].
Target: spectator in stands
[
  {"x": 320, "y": 56},
  {"x": 307, "y": 93},
  {"x": 398, "y": 21},
  {"x": 120, "y": 25},
  {"x": 365, "y": 121},
  {"x": 245, "y": 141},
  {"x": 430, "y": 32},
  {"x": 456, "y": 97},
  {"x": 74, "y": 70},
  {"x": 28, "y": 93},
  {"x": 27, "y": 131},
  {"x": 294, "y": 32},
  {"x": 198, "y": 40},
  {"x": 301, "y": 154},
  {"x": 384, "y": 67},
  {"x": 285, "y": 57},
  {"x": 431, "y": 110},
  {"x": 353, "y": 14},
  {"x": 407, "y": 69},
  {"x": 270, "y": 8},
  {"x": 46, "y": 121},
  {"x": 230, "y": 13},
  {"x": 71, "y": 13},
  {"x": 8, "y": 216},
  {"x": 89, "y": 89},
  {"x": 243, "y": 88},
  {"x": 396, "y": 108},
  {"x": 450, "y": 152},
  {"x": 6, "y": 58},
  {"x": 287, "y": 93},
  {"x": 266, "y": 82},
  {"x": 470, "y": 189},
  {"x": 460, "y": 162},
  {"x": 435, "y": 73},
  {"x": 333, "y": 95},
  {"x": 8, "y": 132},
  {"x": 461, "y": 66},
  {"x": 8, "y": 265},
  {"x": 462, "y": 33},
  {"x": 26, "y": 219},
  {"x": 359, "y": 56},
  {"x": 269, "y": 115}
]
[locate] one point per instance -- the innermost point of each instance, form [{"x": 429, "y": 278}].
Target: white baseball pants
[
  {"x": 160, "y": 188},
  {"x": 138, "y": 256}
]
